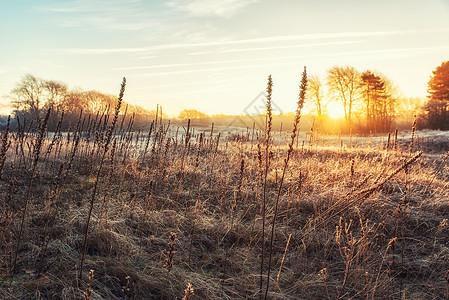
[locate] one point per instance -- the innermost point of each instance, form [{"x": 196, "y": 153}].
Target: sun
[{"x": 335, "y": 110}]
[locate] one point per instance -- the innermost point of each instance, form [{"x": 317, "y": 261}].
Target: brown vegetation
[
  {"x": 151, "y": 213},
  {"x": 436, "y": 110}
]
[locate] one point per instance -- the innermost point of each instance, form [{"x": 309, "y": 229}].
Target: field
[{"x": 151, "y": 212}]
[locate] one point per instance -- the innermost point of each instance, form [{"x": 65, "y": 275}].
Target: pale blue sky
[{"x": 215, "y": 56}]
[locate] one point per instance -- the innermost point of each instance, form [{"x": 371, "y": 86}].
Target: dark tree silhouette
[
  {"x": 379, "y": 102},
  {"x": 28, "y": 97},
  {"x": 436, "y": 111},
  {"x": 33, "y": 96}
]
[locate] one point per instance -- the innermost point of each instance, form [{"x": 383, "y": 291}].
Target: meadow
[{"x": 176, "y": 212}]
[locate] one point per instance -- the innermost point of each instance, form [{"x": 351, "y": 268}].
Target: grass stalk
[
  {"x": 268, "y": 125},
  {"x": 302, "y": 97},
  {"x": 97, "y": 178}
]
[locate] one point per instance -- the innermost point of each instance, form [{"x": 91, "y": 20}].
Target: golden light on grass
[
  {"x": 176, "y": 204},
  {"x": 227, "y": 192}
]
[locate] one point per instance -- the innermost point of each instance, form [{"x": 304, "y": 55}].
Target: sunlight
[{"x": 335, "y": 110}]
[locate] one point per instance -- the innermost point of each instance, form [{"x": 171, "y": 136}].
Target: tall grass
[
  {"x": 300, "y": 104},
  {"x": 105, "y": 144},
  {"x": 35, "y": 160},
  {"x": 267, "y": 141},
  {"x": 336, "y": 219}
]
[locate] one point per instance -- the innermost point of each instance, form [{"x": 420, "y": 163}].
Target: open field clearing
[
  {"x": 264, "y": 150},
  {"x": 178, "y": 206}
]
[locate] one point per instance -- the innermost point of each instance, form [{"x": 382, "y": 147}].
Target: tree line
[
  {"x": 368, "y": 98},
  {"x": 370, "y": 101},
  {"x": 32, "y": 97}
]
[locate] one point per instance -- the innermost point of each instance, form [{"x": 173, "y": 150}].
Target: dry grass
[{"x": 360, "y": 222}]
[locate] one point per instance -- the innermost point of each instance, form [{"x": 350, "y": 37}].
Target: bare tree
[
  {"x": 409, "y": 109},
  {"x": 55, "y": 93},
  {"x": 191, "y": 114},
  {"x": 28, "y": 96},
  {"x": 343, "y": 82},
  {"x": 315, "y": 92}
]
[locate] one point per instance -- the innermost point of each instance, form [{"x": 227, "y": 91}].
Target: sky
[{"x": 215, "y": 56}]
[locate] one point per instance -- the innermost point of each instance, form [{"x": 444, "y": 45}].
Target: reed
[
  {"x": 359, "y": 222},
  {"x": 268, "y": 126},
  {"x": 300, "y": 104},
  {"x": 105, "y": 146},
  {"x": 35, "y": 161},
  {"x": 5, "y": 145}
]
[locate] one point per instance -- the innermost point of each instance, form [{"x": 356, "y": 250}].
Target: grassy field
[{"x": 106, "y": 212}]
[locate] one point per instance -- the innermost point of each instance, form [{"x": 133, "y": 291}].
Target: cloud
[
  {"x": 281, "y": 38},
  {"x": 224, "y": 62},
  {"x": 97, "y": 50},
  {"x": 89, "y": 6},
  {"x": 296, "y": 60},
  {"x": 241, "y": 44},
  {"x": 104, "y": 15},
  {"x": 106, "y": 23},
  {"x": 291, "y": 46},
  {"x": 204, "y": 8},
  {"x": 264, "y": 40}
]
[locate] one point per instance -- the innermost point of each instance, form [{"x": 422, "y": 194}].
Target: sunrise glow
[
  {"x": 214, "y": 56},
  {"x": 335, "y": 110}
]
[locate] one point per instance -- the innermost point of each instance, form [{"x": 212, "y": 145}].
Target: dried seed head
[
  {"x": 188, "y": 292},
  {"x": 323, "y": 274},
  {"x": 170, "y": 252}
]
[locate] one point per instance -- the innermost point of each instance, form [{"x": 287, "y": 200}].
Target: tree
[
  {"x": 55, "y": 93},
  {"x": 408, "y": 108},
  {"x": 191, "y": 114},
  {"x": 32, "y": 96},
  {"x": 377, "y": 94},
  {"x": 343, "y": 82},
  {"x": 28, "y": 96},
  {"x": 316, "y": 94},
  {"x": 94, "y": 101},
  {"x": 437, "y": 107}
]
